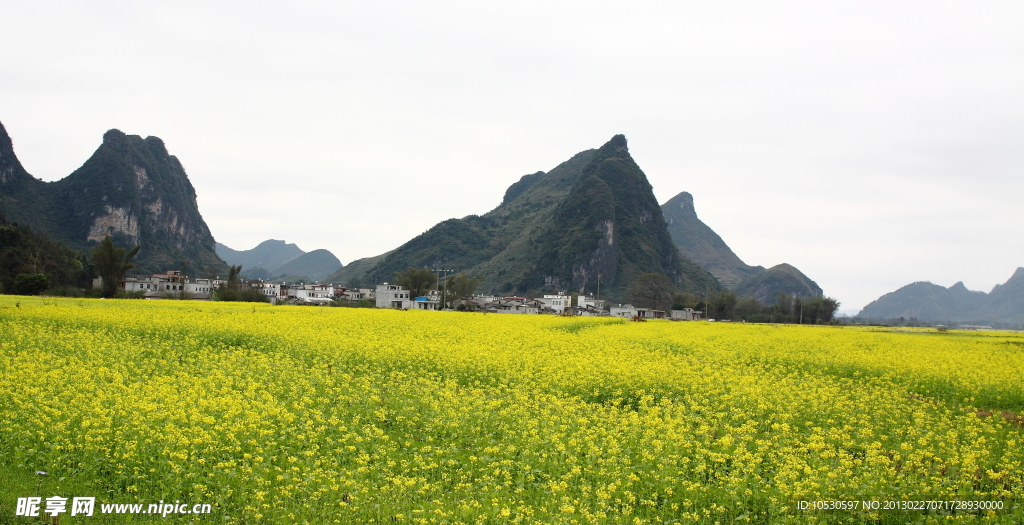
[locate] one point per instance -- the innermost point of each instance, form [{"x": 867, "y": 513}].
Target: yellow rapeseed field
[{"x": 342, "y": 415}]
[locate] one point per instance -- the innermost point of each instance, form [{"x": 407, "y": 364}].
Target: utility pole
[
  {"x": 441, "y": 274},
  {"x": 438, "y": 270}
]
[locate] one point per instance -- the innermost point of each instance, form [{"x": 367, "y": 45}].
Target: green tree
[
  {"x": 249, "y": 294},
  {"x": 651, "y": 290},
  {"x": 112, "y": 263},
  {"x": 30, "y": 284},
  {"x": 722, "y": 305},
  {"x": 685, "y": 300},
  {"x": 784, "y": 303},
  {"x": 233, "y": 277},
  {"x": 787, "y": 309},
  {"x": 23, "y": 251},
  {"x": 417, "y": 281},
  {"x": 820, "y": 310},
  {"x": 237, "y": 290},
  {"x": 749, "y": 309},
  {"x": 463, "y": 286}
]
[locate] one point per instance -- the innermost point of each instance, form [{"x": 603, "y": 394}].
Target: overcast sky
[{"x": 870, "y": 144}]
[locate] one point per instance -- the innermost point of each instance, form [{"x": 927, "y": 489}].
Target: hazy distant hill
[
  {"x": 316, "y": 265},
  {"x": 273, "y": 258},
  {"x": 130, "y": 188},
  {"x": 1006, "y": 301},
  {"x": 354, "y": 273},
  {"x": 930, "y": 302},
  {"x": 269, "y": 255},
  {"x": 698, "y": 242},
  {"x": 592, "y": 218}
]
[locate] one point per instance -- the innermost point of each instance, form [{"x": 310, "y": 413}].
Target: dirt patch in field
[{"x": 1013, "y": 417}]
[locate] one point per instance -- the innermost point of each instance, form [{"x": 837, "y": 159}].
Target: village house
[
  {"x": 629, "y": 311},
  {"x": 353, "y": 294},
  {"x": 200, "y": 289},
  {"x": 273, "y": 291},
  {"x": 393, "y": 296},
  {"x": 588, "y": 301},
  {"x": 623, "y": 310},
  {"x": 171, "y": 283},
  {"x": 134, "y": 284},
  {"x": 686, "y": 314},
  {"x": 310, "y": 293},
  {"x": 533, "y": 307},
  {"x": 591, "y": 311},
  {"x": 556, "y": 303},
  {"x": 507, "y": 305},
  {"x": 427, "y": 302},
  {"x": 482, "y": 300}
]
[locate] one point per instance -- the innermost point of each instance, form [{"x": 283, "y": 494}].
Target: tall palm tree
[{"x": 111, "y": 264}]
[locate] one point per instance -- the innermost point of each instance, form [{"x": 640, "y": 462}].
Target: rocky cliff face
[
  {"x": 610, "y": 226},
  {"x": 130, "y": 189}
]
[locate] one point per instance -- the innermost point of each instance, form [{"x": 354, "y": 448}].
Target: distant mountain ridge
[
  {"x": 354, "y": 273},
  {"x": 316, "y": 265},
  {"x": 278, "y": 259},
  {"x": 698, "y": 242},
  {"x": 591, "y": 221},
  {"x": 131, "y": 189},
  {"x": 930, "y": 302},
  {"x": 766, "y": 285},
  {"x": 701, "y": 244},
  {"x": 268, "y": 254}
]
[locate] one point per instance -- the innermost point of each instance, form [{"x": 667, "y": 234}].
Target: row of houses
[
  {"x": 168, "y": 284},
  {"x": 174, "y": 284},
  {"x": 394, "y": 296},
  {"x": 629, "y": 311}
]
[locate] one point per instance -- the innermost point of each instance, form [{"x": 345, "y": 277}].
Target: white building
[
  {"x": 432, "y": 302},
  {"x": 354, "y": 294},
  {"x": 533, "y": 307},
  {"x": 202, "y": 288},
  {"x": 624, "y": 310},
  {"x": 170, "y": 284},
  {"x": 591, "y": 311},
  {"x": 585, "y": 301},
  {"x": 508, "y": 305},
  {"x": 145, "y": 284},
  {"x": 558, "y": 303},
  {"x": 393, "y": 296},
  {"x": 482, "y": 300},
  {"x": 272, "y": 290},
  {"x": 686, "y": 314},
  {"x": 312, "y": 293}
]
